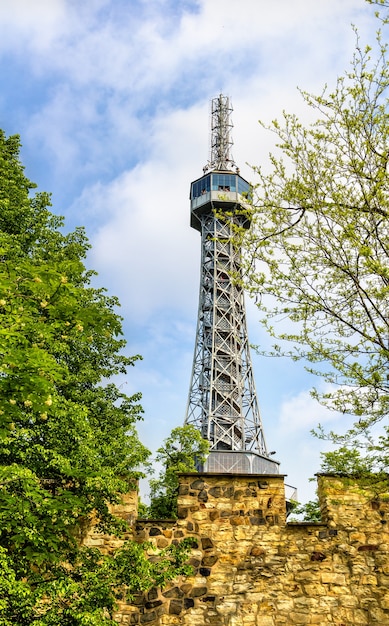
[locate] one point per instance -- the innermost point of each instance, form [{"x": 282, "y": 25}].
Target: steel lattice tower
[{"x": 222, "y": 400}]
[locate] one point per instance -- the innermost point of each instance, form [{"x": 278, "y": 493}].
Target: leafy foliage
[
  {"x": 347, "y": 461},
  {"x": 86, "y": 592},
  {"x": 317, "y": 253},
  {"x": 69, "y": 446},
  {"x": 363, "y": 457},
  {"x": 182, "y": 451},
  {"x": 381, "y": 4},
  {"x": 310, "y": 511}
]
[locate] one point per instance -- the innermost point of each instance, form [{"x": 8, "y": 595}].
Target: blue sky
[{"x": 111, "y": 99}]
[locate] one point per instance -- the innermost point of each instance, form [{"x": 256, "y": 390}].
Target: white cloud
[
  {"x": 145, "y": 243},
  {"x": 108, "y": 72},
  {"x": 302, "y": 413},
  {"x": 34, "y": 24}
]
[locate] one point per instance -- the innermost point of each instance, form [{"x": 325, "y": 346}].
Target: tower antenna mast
[{"x": 221, "y": 140}]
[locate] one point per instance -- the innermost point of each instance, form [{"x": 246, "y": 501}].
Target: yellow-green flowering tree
[{"x": 317, "y": 254}]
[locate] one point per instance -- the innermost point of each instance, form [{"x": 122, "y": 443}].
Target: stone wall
[{"x": 252, "y": 568}]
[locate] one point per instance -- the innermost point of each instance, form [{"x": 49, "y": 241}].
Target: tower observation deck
[{"x": 222, "y": 401}]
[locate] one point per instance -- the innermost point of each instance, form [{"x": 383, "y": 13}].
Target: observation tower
[{"x": 222, "y": 402}]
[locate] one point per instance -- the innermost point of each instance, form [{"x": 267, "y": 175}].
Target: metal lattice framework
[
  {"x": 222, "y": 399},
  {"x": 222, "y": 402}
]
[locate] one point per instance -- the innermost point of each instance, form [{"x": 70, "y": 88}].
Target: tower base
[{"x": 235, "y": 462}]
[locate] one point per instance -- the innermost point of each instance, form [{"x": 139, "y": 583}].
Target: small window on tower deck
[
  {"x": 224, "y": 182},
  {"x": 200, "y": 187},
  {"x": 244, "y": 188}
]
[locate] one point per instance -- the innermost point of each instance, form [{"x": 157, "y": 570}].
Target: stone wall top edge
[
  {"x": 227, "y": 475},
  {"x": 156, "y": 520},
  {"x": 356, "y": 476},
  {"x": 305, "y": 524}
]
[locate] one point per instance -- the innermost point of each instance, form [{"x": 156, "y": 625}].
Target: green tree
[
  {"x": 317, "y": 254},
  {"x": 182, "y": 451},
  {"x": 69, "y": 446},
  {"x": 310, "y": 511}
]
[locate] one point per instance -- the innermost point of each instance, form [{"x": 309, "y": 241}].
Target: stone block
[
  {"x": 257, "y": 520},
  {"x": 369, "y": 580},
  {"x": 384, "y": 602},
  {"x": 174, "y": 592},
  {"x": 226, "y": 608},
  {"x": 205, "y": 571},
  {"x": 197, "y": 484},
  {"x": 151, "y": 595},
  {"x": 310, "y": 575},
  {"x": 209, "y": 560},
  {"x": 197, "y": 592},
  {"x": 264, "y": 620},
  {"x": 367, "y": 548},
  {"x": 316, "y": 619},
  {"x": 257, "y": 551},
  {"x": 199, "y": 516},
  {"x": 148, "y": 617},
  {"x": 239, "y": 520},
  {"x": 207, "y": 543},
  {"x": 182, "y": 512},
  {"x": 286, "y": 604},
  {"x": 348, "y": 601},
  {"x": 153, "y": 604},
  {"x": 203, "y": 496},
  {"x": 314, "y": 590},
  {"x": 176, "y": 607},
  {"x": 332, "y": 578},
  {"x": 162, "y": 542},
  {"x": 299, "y": 618}
]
